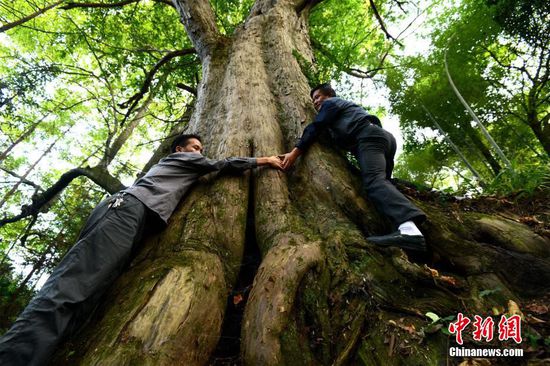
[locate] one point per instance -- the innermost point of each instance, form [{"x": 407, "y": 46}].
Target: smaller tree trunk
[
  {"x": 480, "y": 146},
  {"x": 474, "y": 116},
  {"x": 455, "y": 148},
  {"x": 541, "y": 129}
]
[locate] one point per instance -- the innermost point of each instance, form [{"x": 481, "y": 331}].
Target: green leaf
[
  {"x": 485, "y": 293},
  {"x": 433, "y": 316}
]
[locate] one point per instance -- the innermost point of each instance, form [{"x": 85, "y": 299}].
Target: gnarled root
[{"x": 271, "y": 300}]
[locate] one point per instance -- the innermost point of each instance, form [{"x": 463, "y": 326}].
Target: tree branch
[
  {"x": 42, "y": 201},
  {"x": 23, "y": 20},
  {"x": 23, "y": 180},
  {"x": 400, "y": 5},
  {"x": 98, "y": 5},
  {"x": 164, "y": 148},
  {"x": 22, "y": 239},
  {"x": 200, "y": 23},
  {"x": 69, "y": 6},
  {"x": 149, "y": 79},
  {"x": 21, "y": 137},
  {"x": 307, "y": 4},
  {"x": 103, "y": 77},
  {"x": 381, "y": 22},
  {"x": 114, "y": 148},
  {"x": 368, "y": 74},
  {"x": 187, "y": 88},
  {"x": 4, "y": 199},
  {"x": 110, "y": 5},
  {"x": 167, "y": 2}
]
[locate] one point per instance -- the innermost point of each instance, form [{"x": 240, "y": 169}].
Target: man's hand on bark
[
  {"x": 289, "y": 158},
  {"x": 272, "y": 161}
]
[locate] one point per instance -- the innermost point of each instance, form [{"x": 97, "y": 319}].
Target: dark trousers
[
  {"x": 375, "y": 154},
  {"x": 77, "y": 283}
]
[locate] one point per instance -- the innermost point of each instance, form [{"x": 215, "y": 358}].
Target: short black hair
[
  {"x": 325, "y": 88},
  {"x": 182, "y": 140}
]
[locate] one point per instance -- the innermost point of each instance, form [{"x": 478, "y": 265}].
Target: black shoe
[{"x": 396, "y": 239}]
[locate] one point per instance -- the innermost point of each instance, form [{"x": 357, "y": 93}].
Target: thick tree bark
[{"x": 322, "y": 295}]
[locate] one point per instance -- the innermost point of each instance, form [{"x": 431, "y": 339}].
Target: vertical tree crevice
[
  {"x": 321, "y": 294},
  {"x": 228, "y": 349}
]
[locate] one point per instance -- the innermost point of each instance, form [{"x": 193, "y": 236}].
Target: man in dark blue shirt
[
  {"x": 113, "y": 229},
  {"x": 353, "y": 129}
]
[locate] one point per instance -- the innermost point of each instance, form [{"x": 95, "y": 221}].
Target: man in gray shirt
[{"x": 114, "y": 227}]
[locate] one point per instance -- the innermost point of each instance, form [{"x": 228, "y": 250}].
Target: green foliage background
[{"x": 66, "y": 75}]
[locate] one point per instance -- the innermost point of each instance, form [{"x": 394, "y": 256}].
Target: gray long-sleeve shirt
[{"x": 164, "y": 185}]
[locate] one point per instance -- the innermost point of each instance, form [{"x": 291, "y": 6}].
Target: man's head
[
  {"x": 187, "y": 143},
  {"x": 321, "y": 93}
]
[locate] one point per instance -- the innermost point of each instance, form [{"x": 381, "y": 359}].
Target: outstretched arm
[
  {"x": 290, "y": 157},
  {"x": 329, "y": 111},
  {"x": 235, "y": 165},
  {"x": 272, "y": 161}
]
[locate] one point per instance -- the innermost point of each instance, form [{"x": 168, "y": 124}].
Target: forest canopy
[{"x": 90, "y": 92}]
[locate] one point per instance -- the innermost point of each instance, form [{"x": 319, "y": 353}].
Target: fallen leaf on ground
[
  {"x": 537, "y": 308},
  {"x": 530, "y": 220},
  {"x": 433, "y": 272},
  {"x": 513, "y": 309},
  {"x": 533, "y": 320},
  {"x": 450, "y": 280}
]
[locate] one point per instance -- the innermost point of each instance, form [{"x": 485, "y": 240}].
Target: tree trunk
[
  {"x": 540, "y": 129},
  {"x": 322, "y": 295},
  {"x": 474, "y": 136},
  {"x": 454, "y": 147},
  {"x": 481, "y": 126}
]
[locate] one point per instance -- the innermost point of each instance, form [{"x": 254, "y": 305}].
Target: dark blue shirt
[{"x": 345, "y": 121}]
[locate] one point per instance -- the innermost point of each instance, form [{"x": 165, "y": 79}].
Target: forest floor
[{"x": 532, "y": 210}]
